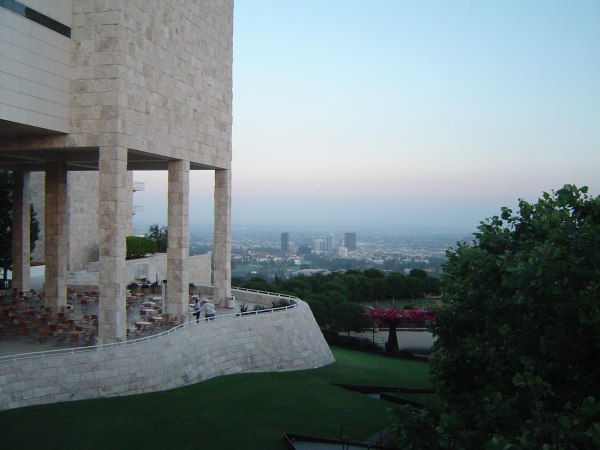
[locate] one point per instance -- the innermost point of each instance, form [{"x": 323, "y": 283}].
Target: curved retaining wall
[{"x": 273, "y": 341}]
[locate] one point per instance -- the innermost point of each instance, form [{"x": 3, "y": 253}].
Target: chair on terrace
[{"x": 42, "y": 335}]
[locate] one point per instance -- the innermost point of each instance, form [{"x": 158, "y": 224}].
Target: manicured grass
[{"x": 248, "y": 411}]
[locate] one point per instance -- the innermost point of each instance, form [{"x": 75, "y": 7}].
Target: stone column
[
  {"x": 112, "y": 228},
  {"x": 56, "y": 221},
  {"x": 222, "y": 255},
  {"x": 20, "y": 231},
  {"x": 179, "y": 241}
]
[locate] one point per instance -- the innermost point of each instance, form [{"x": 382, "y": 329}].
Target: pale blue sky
[{"x": 390, "y": 112}]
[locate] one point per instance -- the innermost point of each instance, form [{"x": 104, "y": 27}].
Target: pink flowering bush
[{"x": 404, "y": 318}]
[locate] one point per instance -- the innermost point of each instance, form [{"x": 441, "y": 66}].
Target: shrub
[
  {"x": 138, "y": 246},
  {"x": 281, "y": 303}
]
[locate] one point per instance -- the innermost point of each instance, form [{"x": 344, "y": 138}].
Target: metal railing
[
  {"x": 95, "y": 348},
  {"x": 270, "y": 294}
]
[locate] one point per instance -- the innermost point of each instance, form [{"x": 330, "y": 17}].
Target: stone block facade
[
  {"x": 82, "y": 220},
  {"x": 144, "y": 85},
  {"x": 35, "y": 66}
]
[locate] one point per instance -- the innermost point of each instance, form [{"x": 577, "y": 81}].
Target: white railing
[
  {"x": 270, "y": 294},
  {"x": 95, "y": 348}
]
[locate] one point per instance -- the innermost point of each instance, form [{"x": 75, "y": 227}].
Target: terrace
[
  {"x": 27, "y": 326},
  {"x": 161, "y": 357}
]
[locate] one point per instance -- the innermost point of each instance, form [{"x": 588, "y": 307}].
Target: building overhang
[{"x": 81, "y": 159}]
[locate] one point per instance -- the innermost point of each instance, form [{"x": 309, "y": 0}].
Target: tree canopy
[
  {"x": 337, "y": 299},
  {"x": 518, "y": 333},
  {"x": 6, "y": 217},
  {"x": 395, "y": 317},
  {"x": 160, "y": 235}
]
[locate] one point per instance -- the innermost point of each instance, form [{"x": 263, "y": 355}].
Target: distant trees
[
  {"x": 336, "y": 299},
  {"x": 138, "y": 246},
  {"x": 155, "y": 240},
  {"x": 395, "y": 317},
  {"x": 160, "y": 235},
  {"x": 515, "y": 362},
  {"x": 303, "y": 250}
]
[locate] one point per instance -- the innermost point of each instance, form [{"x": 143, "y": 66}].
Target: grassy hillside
[{"x": 249, "y": 411}]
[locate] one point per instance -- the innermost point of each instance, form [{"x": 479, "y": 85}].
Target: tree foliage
[
  {"x": 138, "y": 246},
  {"x": 518, "y": 334},
  {"x": 160, "y": 235},
  {"x": 6, "y": 191},
  {"x": 406, "y": 318},
  {"x": 336, "y": 299},
  {"x": 6, "y": 217}
]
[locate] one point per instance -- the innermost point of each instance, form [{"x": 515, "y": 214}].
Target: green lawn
[{"x": 249, "y": 411}]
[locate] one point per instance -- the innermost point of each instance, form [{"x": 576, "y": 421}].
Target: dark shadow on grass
[
  {"x": 297, "y": 441},
  {"x": 383, "y": 393}
]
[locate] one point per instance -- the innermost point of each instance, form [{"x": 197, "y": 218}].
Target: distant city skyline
[{"x": 354, "y": 113}]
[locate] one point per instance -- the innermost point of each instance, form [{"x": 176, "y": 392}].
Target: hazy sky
[{"x": 397, "y": 112}]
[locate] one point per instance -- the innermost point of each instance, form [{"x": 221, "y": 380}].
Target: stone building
[
  {"x": 91, "y": 90},
  {"x": 82, "y": 220}
]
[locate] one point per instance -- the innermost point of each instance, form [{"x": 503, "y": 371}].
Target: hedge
[{"x": 138, "y": 246}]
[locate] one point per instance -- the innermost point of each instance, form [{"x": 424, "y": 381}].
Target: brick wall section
[{"x": 280, "y": 341}]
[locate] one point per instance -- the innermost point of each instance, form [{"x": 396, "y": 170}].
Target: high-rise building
[
  {"x": 329, "y": 243},
  {"x": 285, "y": 242},
  {"x": 318, "y": 245},
  {"x": 350, "y": 241}
]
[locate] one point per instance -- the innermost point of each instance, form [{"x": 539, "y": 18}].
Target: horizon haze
[{"x": 392, "y": 113}]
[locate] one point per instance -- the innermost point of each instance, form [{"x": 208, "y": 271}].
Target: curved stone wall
[{"x": 271, "y": 341}]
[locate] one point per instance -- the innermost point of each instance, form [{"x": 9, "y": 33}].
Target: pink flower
[{"x": 404, "y": 317}]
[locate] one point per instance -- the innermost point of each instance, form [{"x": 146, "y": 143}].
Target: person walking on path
[
  {"x": 197, "y": 310},
  {"x": 209, "y": 309}
]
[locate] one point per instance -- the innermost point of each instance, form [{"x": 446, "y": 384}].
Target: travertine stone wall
[
  {"x": 151, "y": 76},
  {"x": 222, "y": 242},
  {"x": 154, "y": 268},
  {"x": 82, "y": 197},
  {"x": 280, "y": 341},
  {"x": 20, "y": 230},
  {"x": 179, "y": 241},
  {"x": 35, "y": 66},
  {"x": 82, "y": 228},
  {"x": 199, "y": 269},
  {"x": 177, "y": 58},
  {"x": 154, "y": 76},
  {"x": 56, "y": 236},
  {"x": 112, "y": 226}
]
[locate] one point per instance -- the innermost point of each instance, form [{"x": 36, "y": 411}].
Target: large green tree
[
  {"x": 518, "y": 335},
  {"x": 6, "y": 215},
  {"x": 160, "y": 235}
]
